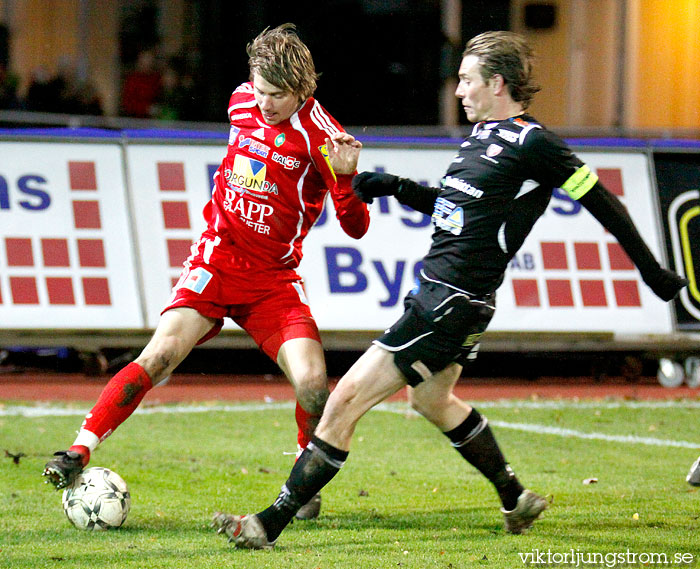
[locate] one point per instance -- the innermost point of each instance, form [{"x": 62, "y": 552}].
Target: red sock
[
  {"x": 307, "y": 424},
  {"x": 118, "y": 400},
  {"x": 84, "y": 451}
]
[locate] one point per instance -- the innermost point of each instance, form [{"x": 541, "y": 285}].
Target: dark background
[{"x": 381, "y": 61}]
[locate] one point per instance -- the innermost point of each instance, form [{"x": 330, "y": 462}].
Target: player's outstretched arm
[
  {"x": 370, "y": 185},
  {"x": 612, "y": 215}
]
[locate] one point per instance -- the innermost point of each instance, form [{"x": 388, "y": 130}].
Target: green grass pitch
[{"x": 405, "y": 499}]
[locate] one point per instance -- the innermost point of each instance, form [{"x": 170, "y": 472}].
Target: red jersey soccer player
[{"x": 269, "y": 190}]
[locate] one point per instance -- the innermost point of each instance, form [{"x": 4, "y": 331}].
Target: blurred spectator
[
  {"x": 177, "y": 99},
  {"x": 63, "y": 85},
  {"x": 168, "y": 104},
  {"x": 66, "y": 92},
  {"x": 43, "y": 93},
  {"x": 76, "y": 95},
  {"x": 88, "y": 99},
  {"x": 4, "y": 44},
  {"x": 190, "y": 102},
  {"x": 8, "y": 88},
  {"x": 141, "y": 87}
]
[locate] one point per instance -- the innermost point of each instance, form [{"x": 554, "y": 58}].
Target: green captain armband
[{"x": 580, "y": 182}]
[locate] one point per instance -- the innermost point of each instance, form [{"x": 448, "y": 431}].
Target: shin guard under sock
[
  {"x": 118, "y": 400},
  {"x": 315, "y": 468},
  {"x": 474, "y": 440}
]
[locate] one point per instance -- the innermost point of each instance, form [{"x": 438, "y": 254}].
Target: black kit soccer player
[{"x": 494, "y": 190}]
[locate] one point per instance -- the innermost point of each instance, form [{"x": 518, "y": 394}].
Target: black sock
[
  {"x": 474, "y": 440},
  {"x": 315, "y": 468}
]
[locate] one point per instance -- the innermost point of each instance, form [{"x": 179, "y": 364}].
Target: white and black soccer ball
[{"x": 98, "y": 499}]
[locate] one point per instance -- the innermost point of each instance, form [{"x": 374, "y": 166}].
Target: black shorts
[{"x": 441, "y": 325}]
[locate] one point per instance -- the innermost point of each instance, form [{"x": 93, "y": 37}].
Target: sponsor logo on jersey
[
  {"x": 254, "y": 146},
  {"x": 279, "y": 139},
  {"x": 508, "y": 135},
  {"x": 324, "y": 152},
  {"x": 299, "y": 287},
  {"x": 249, "y": 174},
  {"x": 241, "y": 116},
  {"x": 197, "y": 280},
  {"x": 233, "y": 134},
  {"x": 462, "y": 186},
  {"x": 491, "y": 151},
  {"x": 289, "y": 162},
  {"x": 447, "y": 216},
  {"x": 472, "y": 339},
  {"x": 250, "y": 212},
  {"x": 494, "y": 150}
]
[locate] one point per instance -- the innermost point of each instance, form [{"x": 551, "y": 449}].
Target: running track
[{"x": 38, "y": 386}]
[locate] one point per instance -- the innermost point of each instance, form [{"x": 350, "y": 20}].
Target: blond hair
[
  {"x": 282, "y": 59},
  {"x": 506, "y": 54}
]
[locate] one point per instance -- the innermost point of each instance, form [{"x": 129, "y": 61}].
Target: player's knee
[
  {"x": 312, "y": 396},
  {"x": 311, "y": 389},
  {"x": 427, "y": 404},
  {"x": 416, "y": 405},
  {"x": 160, "y": 357}
]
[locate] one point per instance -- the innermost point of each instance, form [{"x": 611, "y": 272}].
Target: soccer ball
[{"x": 98, "y": 499}]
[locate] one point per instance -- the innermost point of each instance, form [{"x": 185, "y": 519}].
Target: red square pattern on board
[
  {"x": 171, "y": 176},
  {"x": 593, "y": 293},
  {"x": 526, "y": 292},
  {"x": 176, "y": 215},
  {"x": 619, "y": 261},
  {"x": 611, "y": 178},
  {"x": 60, "y": 290},
  {"x": 626, "y": 293},
  {"x": 19, "y": 252},
  {"x": 24, "y": 290},
  {"x": 554, "y": 255},
  {"x": 96, "y": 291},
  {"x": 82, "y": 176},
  {"x": 86, "y": 215},
  {"x": 587, "y": 256},
  {"x": 55, "y": 252},
  {"x": 559, "y": 292},
  {"x": 178, "y": 251},
  {"x": 91, "y": 253}
]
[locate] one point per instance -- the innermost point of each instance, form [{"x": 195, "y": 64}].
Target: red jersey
[{"x": 273, "y": 181}]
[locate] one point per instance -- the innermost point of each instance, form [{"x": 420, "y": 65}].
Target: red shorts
[{"x": 270, "y": 305}]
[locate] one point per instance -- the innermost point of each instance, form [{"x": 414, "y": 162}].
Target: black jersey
[{"x": 494, "y": 190}]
